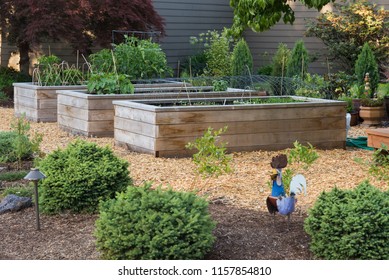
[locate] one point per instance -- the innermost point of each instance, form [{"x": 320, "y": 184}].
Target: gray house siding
[{"x": 186, "y": 18}]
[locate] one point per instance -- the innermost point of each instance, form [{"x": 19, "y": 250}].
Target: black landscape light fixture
[{"x": 35, "y": 175}]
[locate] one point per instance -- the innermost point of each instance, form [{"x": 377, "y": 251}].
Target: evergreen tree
[
  {"x": 366, "y": 63},
  {"x": 242, "y": 60},
  {"x": 298, "y": 61},
  {"x": 280, "y": 60}
]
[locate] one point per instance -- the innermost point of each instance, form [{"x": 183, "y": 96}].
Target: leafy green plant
[
  {"x": 18, "y": 145},
  {"x": 110, "y": 83},
  {"x": 350, "y": 224},
  {"x": 383, "y": 90},
  {"x": 378, "y": 165},
  {"x": 217, "y": 52},
  {"x": 50, "y": 71},
  {"x": 13, "y": 175},
  {"x": 300, "y": 158},
  {"x": 312, "y": 86},
  {"x": 8, "y": 76},
  {"x": 302, "y": 155},
  {"x": 211, "y": 158},
  {"x": 349, "y": 101},
  {"x": 280, "y": 60},
  {"x": 79, "y": 176},
  {"x": 366, "y": 63},
  {"x": 20, "y": 190},
  {"x": 154, "y": 224},
  {"x": 297, "y": 64},
  {"x": 220, "y": 85}
]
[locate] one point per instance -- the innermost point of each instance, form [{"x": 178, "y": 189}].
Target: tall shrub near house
[
  {"x": 297, "y": 64},
  {"x": 279, "y": 61},
  {"x": 366, "y": 63},
  {"x": 242, "y": 59}
]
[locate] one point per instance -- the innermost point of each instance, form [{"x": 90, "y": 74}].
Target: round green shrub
[
  {"x": 143, "y": 223},
  {"x": 79, "y": 176},
  {"x": 350, "y": 224}
]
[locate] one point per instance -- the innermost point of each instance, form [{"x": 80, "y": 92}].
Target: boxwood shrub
[
  {"x": 79, "y": 176},
  {"x": 350, "y": 224},
  {"x": 146, "y": 223}
]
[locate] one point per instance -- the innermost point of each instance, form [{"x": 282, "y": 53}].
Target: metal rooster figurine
[{"x": 278, "y": 201}]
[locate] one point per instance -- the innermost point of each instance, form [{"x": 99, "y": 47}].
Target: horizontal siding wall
[{"x": 186, "y": 18}]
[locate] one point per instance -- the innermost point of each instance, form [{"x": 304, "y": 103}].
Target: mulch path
[{"x": 245, "y": 229}]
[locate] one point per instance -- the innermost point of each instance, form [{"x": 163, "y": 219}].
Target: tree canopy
[
  {"x": 28, "y": 23},
  {"x": 260, "y": 15}
]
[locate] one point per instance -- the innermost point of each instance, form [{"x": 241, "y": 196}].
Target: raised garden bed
[
  {"x": 163, "y": 128},
  {"x": 38, "y": 103},
  {"x": 93, "y": 115}
]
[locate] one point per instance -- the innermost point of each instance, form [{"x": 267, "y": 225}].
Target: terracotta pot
[{"x": 372, "y": 115}]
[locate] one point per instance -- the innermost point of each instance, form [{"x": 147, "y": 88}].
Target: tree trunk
[{"x": 24, "y": 62}]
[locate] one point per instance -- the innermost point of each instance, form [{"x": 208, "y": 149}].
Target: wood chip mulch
[{"x": 245, "y": 229}]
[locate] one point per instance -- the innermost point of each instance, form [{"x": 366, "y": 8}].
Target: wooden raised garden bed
[
  {"x": 93, "y": 115},
  {"x": 162, "y": 128},
  {"x": 38, "y": 103},
  {"x": 377, "y": 137}
]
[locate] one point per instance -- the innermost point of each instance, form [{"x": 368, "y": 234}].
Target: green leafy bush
[
  {"x": 136, "y": 58},
  {"x": 366, "y": 63},
  {"x": 313, "y": 86},
  {"x": 20, "y": 190},
  {"x": 143, "y": 223},
  {"x": 79, "y": 176},
  {"x": 217, "y": 52},
  {"x": 211, "y": 158},
  {"x": 110, "y": 83},
  {"x": 350, "y": 224},
  {"x": 219, "y": 85},
  {"x": 18, "y": 145}
]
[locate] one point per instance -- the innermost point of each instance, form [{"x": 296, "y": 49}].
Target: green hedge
[
  {"x": 350, "y": 224},
  {"x": 143, "y": 223}
]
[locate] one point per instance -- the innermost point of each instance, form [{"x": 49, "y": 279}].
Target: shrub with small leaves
[
  {"x": 211, "y": 158},
  {"x": 350, "y": 224},
  {"x": 148, "y": 224},
  {"x": 79, "y": 176}
]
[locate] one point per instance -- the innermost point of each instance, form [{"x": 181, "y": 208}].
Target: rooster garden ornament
[{"x": 278, "y": 201}]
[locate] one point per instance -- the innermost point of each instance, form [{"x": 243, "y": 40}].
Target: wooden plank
[
  {"x": 47, "y": 103},
  {"x": 196, "y": 129},
  {"x": 242, "y": 140},
  {"x": 241, "y": 114},
  {"x": 136, "y": 115},
  {"x": 134, "y": 139},
  {"x": 377, "y": 137},
  {"x": 72, "y": 113},
  {"x": 73, "y": 101},
  {"x": 69, "y": 122},
  {"x": 135, "y": 127}
]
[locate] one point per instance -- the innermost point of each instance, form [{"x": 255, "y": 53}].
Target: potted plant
[
  {"x": 372, "y": 110},
  {"x": 37, "y": 100}
]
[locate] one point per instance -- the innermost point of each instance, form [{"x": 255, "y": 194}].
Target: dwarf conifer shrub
[
  {"x": 145, "y": 223},
  {"x": 366, "y": 63},
  {"x": 79, "y": 176},
  {"x": 297, "y": 64},
  {"x": 350, "y": 224}
]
